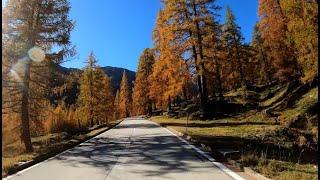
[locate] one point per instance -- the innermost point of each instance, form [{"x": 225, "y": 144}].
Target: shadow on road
[{"x": 165, "y": 153}]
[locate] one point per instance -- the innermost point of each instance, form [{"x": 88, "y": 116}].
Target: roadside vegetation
[
  {"x": 260, "y": 98},
  {"x": 282, "y": 147},
  {"x": 46, "y": 145},
  {"x": 44, "y": 110}
]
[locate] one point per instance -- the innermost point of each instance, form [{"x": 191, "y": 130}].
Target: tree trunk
[
  {"x": 79, "y": 125},
  {"x": 154, "y": 106},
  {"x": 25, "y": 116},
  {"x": 185, "y": 93},
  {"x": 91, "y": 117},
  {"x": 149, "y": 111},
  {"x": 25, "y": 129},
  {"x": 267, "y": 67},
  {"x": 169, "y": 104},
  {"x": 198, "y": 70},
  {"x": 240, "y": 69},
  {"x": 219, "y": 81},
  {"x": 202, "y": 76}
]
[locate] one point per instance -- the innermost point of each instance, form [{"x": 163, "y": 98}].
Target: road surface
[{"x": 135, "y": 149}]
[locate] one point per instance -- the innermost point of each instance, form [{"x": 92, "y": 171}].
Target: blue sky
[{"x": 117, "y": 31}]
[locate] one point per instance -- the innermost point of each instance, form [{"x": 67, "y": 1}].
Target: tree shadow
[
  {"x": 164, "y": 152},
  {"x": 247, "y": 145}
]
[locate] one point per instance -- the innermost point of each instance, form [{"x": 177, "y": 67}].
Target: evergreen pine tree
[{"x": 232, "y": 42}]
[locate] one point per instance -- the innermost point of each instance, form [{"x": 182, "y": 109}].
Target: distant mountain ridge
[{"x": 115, "y": 73}]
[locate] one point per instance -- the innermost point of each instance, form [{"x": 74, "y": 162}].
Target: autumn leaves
[
  {"x": 197, "y": 57},
  {"x": 193, "y": 57},
  {"x": 95, "y": 100}
]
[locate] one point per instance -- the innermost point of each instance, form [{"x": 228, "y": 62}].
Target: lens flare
[
  {"x": 18, "y": 68},
  {"x": 36, "y": 54},
  {"x": 15, "y": 75}
]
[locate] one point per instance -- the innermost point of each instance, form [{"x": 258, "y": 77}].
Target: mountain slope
[{"x": 115, "y": 73}]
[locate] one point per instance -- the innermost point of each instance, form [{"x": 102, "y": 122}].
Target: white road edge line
[
  {"x": 219, "y": 165},
  {"x": 212, "y": 160},
  {"x": 35, "y": 165}
]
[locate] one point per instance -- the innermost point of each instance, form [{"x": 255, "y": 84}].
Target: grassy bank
[
  {"x": 44, "y": 147},
  {"x": 237, "y": 132}
]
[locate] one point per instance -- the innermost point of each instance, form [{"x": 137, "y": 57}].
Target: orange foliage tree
[
  {"x": 124, "y": 97},
  {"x": 273, "y": 28},
  {"x": 140, "y": 100}
]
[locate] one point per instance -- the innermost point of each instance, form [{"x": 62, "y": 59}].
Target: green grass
[
  {"x": 274, "y": 169},
  {"x": 279, "y": 170},
  {"x": 44, "y": 147},
  {"x": 242, "y": 131},
  {"x": 272, "y": 89},
  {"x": 165, "y": 120},
  {"x": 287, "y": 170},
  {"x": 236, "y": 92},
  {"x": 233, "y": 127},
  {"x": 239, "y": 93},
  {"x": 255, "y": 125},
  {"x": 275, "y": 98},
  {"x": 301, "y": 106},
  {"x": 249, "y": 117}
]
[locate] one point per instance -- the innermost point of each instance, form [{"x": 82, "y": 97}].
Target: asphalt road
[{"x": 135, "y": 149}]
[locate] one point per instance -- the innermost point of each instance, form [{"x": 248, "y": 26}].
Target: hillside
[
  {"x": 115, "y": 73},
  {"x": 277, "y": 136}
]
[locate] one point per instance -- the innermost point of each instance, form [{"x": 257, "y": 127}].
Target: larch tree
[
  {"x": 156, "y": 81},
  {"x": 116, "y": 105},
  {"x": 249, "y": 64},
  {"x": 232, "y": 43},
  {"x": 170, "y": 73},
  {"x": 103, "y": 88},
  {"x": 274, "y": 29},
  {"x": 86, "y": 98},
  {"x": 302, "y": 32},
  {"x": 185, "y": 25},
  {"x": 263, "y": 59},
  {"x": 96, "y": 95},
  {"x": 201, "y": 15},
  {"x": 200, "y": 24},
  {"x": 124, "y": 97},
  {"x": 141, "y": 102},
  {"x": 28, "y": 24},
  {"x": 212, "y": 52}
]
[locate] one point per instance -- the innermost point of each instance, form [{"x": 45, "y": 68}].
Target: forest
[{"x": 263, "y": 94}]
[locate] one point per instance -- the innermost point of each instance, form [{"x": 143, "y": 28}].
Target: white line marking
[
  {"x": 35, "y": 165},
  {"x": 217, "y": 164}
]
